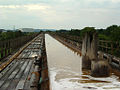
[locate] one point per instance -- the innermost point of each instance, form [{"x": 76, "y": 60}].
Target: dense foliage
[
  {"x": 111, "y": 33},
  {"x": 12, "y": 34}
]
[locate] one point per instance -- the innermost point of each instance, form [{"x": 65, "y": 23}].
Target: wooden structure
[
  {"x": 98, "y": 67},
  {"x": 27, "y": 69},
  {"x": 109, "y": 47},
  {"x": 8, "y": 46}
]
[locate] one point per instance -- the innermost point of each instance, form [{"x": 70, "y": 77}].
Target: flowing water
[{"x": 65, "y": 70}]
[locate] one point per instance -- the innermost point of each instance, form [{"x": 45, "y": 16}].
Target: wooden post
[
  {"x": 99, "y": 68},
  {"x": 106, "y": 47},
  {"x": 16, "y": 43},
  {"x": 102, "y": 46},
  {"x": 9, "y": 47},
  {"x": 111, "y": 48},
  {"x": 2, "y": 53},
  {"x": 89, "y": 49},
  {"x": 5, "y": 51},
  {"x": 117, "y": 44}
]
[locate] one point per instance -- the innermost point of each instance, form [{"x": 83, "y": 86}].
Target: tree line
[
  {"x": 111, "y": 33},
  {"x": 12, "y": 34},
  {"x": 109, "y": 38}
]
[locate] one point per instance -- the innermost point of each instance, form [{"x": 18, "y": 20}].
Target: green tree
[
  {"x": 87, "y": 30},
  {"x": 114, "y": 32}
]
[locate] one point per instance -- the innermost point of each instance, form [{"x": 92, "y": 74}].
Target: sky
[{"x": 59, "y": 14}]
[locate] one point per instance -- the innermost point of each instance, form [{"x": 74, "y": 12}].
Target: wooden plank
[
  {"x": 15, "y": 72},
  {"x": 14, "y": 81},
  {"x": 27, "y": 82},
  {"x": 5, "y": 77},
  {"x": 6, "y": 69},
  {"x": 17, "y": 77},
  {"x": 21, "y": 70},
  {"x": 24, "y": 77},
  {"x": 11, "y": 77}
]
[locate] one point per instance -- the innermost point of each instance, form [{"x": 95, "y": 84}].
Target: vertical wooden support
[
  {"x": 9, "y": 47},
  {"x": 111, "y": 48},
  {"x": 89, "y": 49},
  {"x": 99, "y": 68},
  {"x": 117, "y": 48},
  {"x": 15, "y": 43},
  {"x": 6, "y": 47},
  {"x": 5, "y": 51},
  {"x": 106, "y": 47},
  {"x": 102, "y": 46},
  {"x": 2, "y": 55}
]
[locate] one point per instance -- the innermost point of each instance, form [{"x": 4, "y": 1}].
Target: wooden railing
[
  {"x": 109, "y": 47},
  {"x": 8, "y": 46}
]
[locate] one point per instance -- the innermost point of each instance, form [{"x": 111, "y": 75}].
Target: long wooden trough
[
  {"x": 112, "y": 60},
  {"x": 27, "y": 69}
]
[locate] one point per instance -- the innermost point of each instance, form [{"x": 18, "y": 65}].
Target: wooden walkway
[{"x": 19, "y": 74}]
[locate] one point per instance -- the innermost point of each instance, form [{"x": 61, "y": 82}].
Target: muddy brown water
[{"x": 66, "y": 73}]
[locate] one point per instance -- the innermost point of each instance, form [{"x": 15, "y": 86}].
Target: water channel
[{"x": 65, "y": 70}]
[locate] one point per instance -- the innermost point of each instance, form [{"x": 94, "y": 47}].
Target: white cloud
[
  {"x": 116, "y": 1},
  {"x": 61, "y": 13},
  {"x": 36, "y": 7},
  {"x": 10, "y": 6},
  {"x": 29, "y": 6}
]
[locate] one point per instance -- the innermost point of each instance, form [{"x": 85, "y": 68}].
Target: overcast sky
[{"x": 59, "y": 14}]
